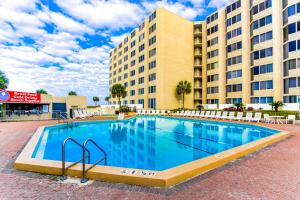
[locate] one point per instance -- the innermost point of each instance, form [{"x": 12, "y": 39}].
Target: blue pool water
[{"x": 153, "y": 143}]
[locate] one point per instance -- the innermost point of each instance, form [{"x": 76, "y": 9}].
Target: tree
[
  {"x": 41, "y": 91},
  {"x": 183, "y": 88},
  {"x": 3, "y": 81},
  {"x": 276, "y": 105},
  {"x": 107, "y": 99},
  {"x": 239, "y": 106},
  {"x": 72, "y": 93},
  {"x": 96, "y": 100},
  {"x": 118, "y": 91}
]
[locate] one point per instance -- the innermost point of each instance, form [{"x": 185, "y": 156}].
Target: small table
[{"x": 276, "y": 119}]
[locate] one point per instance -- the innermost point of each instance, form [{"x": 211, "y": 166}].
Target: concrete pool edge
[{"x": 164, "y": 178}]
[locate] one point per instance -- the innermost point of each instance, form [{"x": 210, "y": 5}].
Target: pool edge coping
[{"x": 165, "y": 178}]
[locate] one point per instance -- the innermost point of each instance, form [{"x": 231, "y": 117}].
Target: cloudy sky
[{"x": 63, "y": 45}]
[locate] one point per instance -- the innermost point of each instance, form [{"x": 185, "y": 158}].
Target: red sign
[{"x": 19, "y": 97}]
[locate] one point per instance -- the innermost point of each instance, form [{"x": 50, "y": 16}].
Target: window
[
  {"x": 152, "y": 89},
  {"x": 212, "y": 90},
  {"x": 212, "y": 78},
  {"x": 141, "y": 101},
  {"x": 152, "y": 77},
  {"x": 141, "y": 80},
  {"x": 292, "y": 28},
  {"x": 152, "y": 64},
  {"x": 213, "y": 53},
  {"x": 152, "y": 40},
  {"x": 261, "y": 22},
  {"x": 233, "y": 6},
  {"x": 152, "y": 52},
  {"x": 291, "y": 10},
  {"x": 132, "y": 53},
  {"x": 234, "y": 74},
  {"x": 212, "y": 42},
  {"x": 234, "y": 88},
  {"x": 152, "y": 103},
  {"x": 152, "y": 16},
  {"x": 292, "y": 46},
  {"x": 141, "y": 37},
  {"x": 132, "y": 92},
  {"x": 141, "y": 47},
  {"x": 212, "y": 66},
  {"x": 152, "y": 28},
  {"x": 262, "y": 53},
  {"x": 141, "y": 91},
  {"x": 234, "y": 47},
  {"x": 212, "y": 18},
  {"x": 132, "y": 44},
  {"x": 234, "y": 60},
  {"x": 212, "y": 30},
  {"x": 141, "y": 69},
  {"x": 132, "y": 82},
  {"x": 132, "y": 73},
  {"x": 233, "y": 20},
  {"x": 141, "y": 58}
]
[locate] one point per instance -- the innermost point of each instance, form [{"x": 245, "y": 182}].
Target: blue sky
[{"x": 63, "y": 45}]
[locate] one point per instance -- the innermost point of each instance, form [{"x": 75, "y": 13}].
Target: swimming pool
[{"x": 150, "y": 143}]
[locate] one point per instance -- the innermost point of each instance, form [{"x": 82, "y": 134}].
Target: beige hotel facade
[{"x": 247, "y": 52}]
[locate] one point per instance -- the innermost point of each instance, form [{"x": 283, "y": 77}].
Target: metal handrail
[
  {"x": 64, "y": 168},
  {"x": 62, "y": 117},
  {"x": 84, "y": 170}
]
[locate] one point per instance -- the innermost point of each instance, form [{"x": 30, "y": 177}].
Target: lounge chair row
[
  {"x": 152, "y": 112},
  {"x": 81, "y": 113},
  {"x": 221, "y": 115}
]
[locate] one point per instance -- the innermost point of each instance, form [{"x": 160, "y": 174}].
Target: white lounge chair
[
  {"x": 138, "y": 112},
  {"x": 248, "y": 116},
  {"x": 239, "y": 116},
  {"x": 291, "y": 118},
  {"x": 224, "y": 115},
  {"x": 257, "y": 117},
  {"x": 186, "y": 113},
  {"x": 202, "y": 114},
  {"x": 181, "y": 113},
  {"x": 218, "y": 115},
  {"x": 207, "y": 114},
  {"x": 192, "y": 113},
  {"x": 197, "y": 113},
  {"x": 212, "y": 114},
  {"x": 121, "y": 116},
  {"x": 82, "y": 114},
  {"x": 162, "y": 112},
  {"x": 231, "y": 116}
]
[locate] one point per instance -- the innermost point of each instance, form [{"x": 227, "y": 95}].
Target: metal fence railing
[{"x": 20, "y": 115}]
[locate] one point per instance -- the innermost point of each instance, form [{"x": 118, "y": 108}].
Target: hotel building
[{"x": 247, "y": 52}]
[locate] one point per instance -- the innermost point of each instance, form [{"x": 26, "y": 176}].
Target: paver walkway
[{"x": 272, "y": 173}]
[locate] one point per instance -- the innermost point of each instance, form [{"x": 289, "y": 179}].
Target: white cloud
[
  {"x": 178, "y": 8},
  {"x": 117, "y": 39},
  {"x": 219, "y": 3},
  {"x": 111, "y": 14}
]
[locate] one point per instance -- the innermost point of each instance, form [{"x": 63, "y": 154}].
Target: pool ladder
[{"x": 83, "y": 158}]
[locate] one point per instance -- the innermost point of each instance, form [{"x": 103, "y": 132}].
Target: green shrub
[{"x": 124, "y": 109}]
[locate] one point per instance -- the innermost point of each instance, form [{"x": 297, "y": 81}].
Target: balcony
[{"x": 197, "y": 53}]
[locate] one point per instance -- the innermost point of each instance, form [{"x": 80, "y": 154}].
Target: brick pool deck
[{"x": 271, "y": 173}]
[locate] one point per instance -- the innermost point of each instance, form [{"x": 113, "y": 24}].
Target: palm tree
[
  {"x": 183, "y": 88},
  {"x": 3, "y": 81},
  {"x": 118, "y": 90},
  {"x": 239, "y": 106},
  {"x": 72, "y": 93},
  {"x": 276, "y": 105},
  {"x": 107, "y": 99},
  {"x": 96, "y": 99},
  {"x": 41, "y": 91}
]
